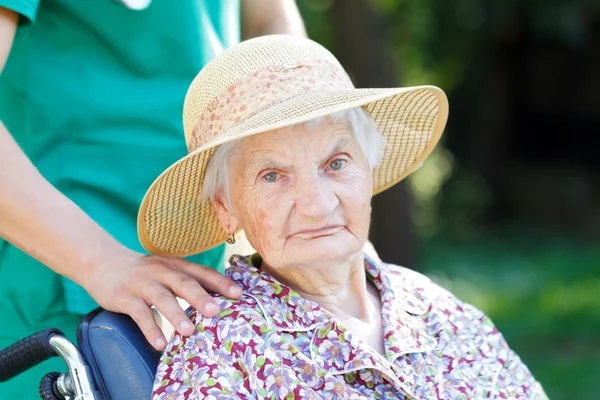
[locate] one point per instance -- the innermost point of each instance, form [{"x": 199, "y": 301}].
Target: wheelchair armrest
[{"x": 122, "y": 362}]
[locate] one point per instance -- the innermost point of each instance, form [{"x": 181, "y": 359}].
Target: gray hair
[{"x": 370, "y": 141}]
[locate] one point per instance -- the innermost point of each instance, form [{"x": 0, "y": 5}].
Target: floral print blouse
[{"x": 274, "y": 344}]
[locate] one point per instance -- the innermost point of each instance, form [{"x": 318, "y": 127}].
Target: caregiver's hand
[
  {"x": 45, "y": 224},
  {"x": 131, "y": 282}
]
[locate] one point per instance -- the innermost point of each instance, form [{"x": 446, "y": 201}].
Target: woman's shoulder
[
  {"x": 237, "y": 325},
  {"x": 438, "y": 305},
  {"x": 206, "y": 360},
  {"x": 464, "y": 333},
  {"x": 232, "y": 313},
  {"x": 419, "y": 285}
]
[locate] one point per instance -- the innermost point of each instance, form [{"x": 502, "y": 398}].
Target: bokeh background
[{"x": 506, "y": 212}]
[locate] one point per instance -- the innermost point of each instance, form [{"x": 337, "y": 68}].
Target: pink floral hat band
[{"x": 275, "y": 84}]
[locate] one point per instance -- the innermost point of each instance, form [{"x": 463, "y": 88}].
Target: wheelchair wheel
[{"x": 48, "y": 389}]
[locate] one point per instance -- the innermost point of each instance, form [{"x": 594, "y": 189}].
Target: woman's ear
[{"x": 228, "y": 221}]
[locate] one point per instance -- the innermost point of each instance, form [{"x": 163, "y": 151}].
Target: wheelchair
[{"x": 110, "y": 346}]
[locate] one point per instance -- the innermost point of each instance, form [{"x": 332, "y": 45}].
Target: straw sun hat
[{"x": 263, "y": 84}]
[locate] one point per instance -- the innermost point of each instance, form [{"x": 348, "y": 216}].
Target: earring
[{"x": 230, "y": 238}]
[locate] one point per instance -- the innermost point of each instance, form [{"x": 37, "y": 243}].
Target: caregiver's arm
[
  {"x": 38, "y": 219},
  {"x": 265, "y": 17}
]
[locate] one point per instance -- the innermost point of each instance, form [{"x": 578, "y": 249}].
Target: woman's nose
[{"x": 315, "y": 199}]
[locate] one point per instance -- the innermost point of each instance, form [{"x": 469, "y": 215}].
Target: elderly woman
[{"x": 283, "y": 147}]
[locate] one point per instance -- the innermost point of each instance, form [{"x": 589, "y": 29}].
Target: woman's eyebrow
[
  {"x": 260, "y": 162},
  {"x": 341, "y": 145}
]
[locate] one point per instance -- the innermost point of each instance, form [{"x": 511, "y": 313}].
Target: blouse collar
[{"x": 403, "y": 304}]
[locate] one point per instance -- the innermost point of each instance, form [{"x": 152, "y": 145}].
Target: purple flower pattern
[{"x": 274, "y": 344}]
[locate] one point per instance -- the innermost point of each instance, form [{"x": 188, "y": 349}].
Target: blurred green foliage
[
  {"x": 436, "y": 41},
  {"x": 542, "y": 290}
]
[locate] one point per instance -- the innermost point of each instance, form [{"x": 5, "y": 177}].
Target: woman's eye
[
  {"x": 270, "y": 177},
  {"x": 338, "y": 164}
]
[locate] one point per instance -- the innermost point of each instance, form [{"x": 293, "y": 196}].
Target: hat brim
[{"x": 173, "y": 218}]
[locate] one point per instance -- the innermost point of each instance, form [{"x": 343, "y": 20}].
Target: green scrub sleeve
[{"x": 27, "y": 8}]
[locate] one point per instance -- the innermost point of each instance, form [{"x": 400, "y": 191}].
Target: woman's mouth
[{"x": 316, "y": 233}]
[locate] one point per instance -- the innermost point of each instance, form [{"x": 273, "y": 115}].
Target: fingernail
[
  {"x": 234, "y": 290},
  {"x": 186, "y": 326},
  {"x": 160, "y": 343},
  {"x": 210, "y": 307}
]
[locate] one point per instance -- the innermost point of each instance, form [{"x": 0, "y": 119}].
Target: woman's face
[{"x": 301, "y": 194}]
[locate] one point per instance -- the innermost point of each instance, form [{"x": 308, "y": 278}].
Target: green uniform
[{"x": 93, "y": 93}]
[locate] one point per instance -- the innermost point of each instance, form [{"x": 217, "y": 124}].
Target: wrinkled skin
[{"x": 286, "y": 182}]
